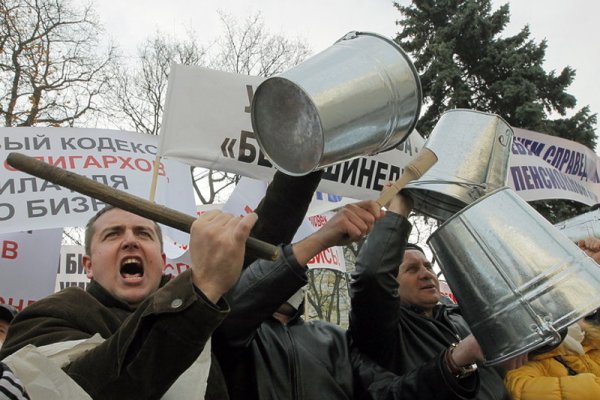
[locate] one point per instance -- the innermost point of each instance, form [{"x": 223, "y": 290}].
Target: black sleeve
[
  {"x": 263, "y": 287},
  {"x": 282, "y": 210},
  {"x": 374, "y": 292},
  {"x": 431, "y": 380}
]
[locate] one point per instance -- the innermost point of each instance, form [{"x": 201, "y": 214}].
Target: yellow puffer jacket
[{"x": 546, "y": 378}]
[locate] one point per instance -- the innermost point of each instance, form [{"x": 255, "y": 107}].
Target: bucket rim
[
  {"x": 465, "y": 209},
  {"x": 511, "y": 354},
  {"x": 475, "y": 111},
  {"x": 258, "y": 136}
]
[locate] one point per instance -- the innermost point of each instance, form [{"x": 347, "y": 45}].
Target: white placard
[
  {"x": 123, "y": 160},
  {"x": 28, "y": 263}
]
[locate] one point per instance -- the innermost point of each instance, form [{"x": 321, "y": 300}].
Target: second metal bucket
[
  {"x": 473, "y": 148},
  {"x": 359, "y": 97},
  {"x": 518, "y": 279}
]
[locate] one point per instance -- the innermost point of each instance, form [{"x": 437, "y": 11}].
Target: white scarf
[
  {"x": 575, "y": 336},
  {"x": 39, "y": 369}
]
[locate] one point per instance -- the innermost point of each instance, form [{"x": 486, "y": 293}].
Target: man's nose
[
  {"x": 426, "y": 273},
  {"x": 130, "y": 240}
]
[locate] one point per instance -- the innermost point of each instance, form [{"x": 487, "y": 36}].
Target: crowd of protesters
[{"x": 231, "y": 327}]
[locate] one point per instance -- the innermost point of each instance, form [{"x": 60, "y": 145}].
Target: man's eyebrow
[
  {"x": 144, "y": 228},
  {"x": 112, "y": 228}
]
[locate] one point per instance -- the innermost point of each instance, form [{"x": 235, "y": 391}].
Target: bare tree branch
[
  {"x": 248, "y": 48},
  {"x": 51, "y": 67}
]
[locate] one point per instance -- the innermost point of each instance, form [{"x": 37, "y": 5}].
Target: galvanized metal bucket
[
  {"x": 518, "y": 279},
  {"x": 473, "y": 148},
  {"x": 361, "y": 96}
]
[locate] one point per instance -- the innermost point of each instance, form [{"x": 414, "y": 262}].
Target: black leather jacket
[
  {"x": 401, "y": 338},
  {"x": 265, "y": 359}
]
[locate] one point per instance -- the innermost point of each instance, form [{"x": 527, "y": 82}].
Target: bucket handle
[
  {"x": 501, "y": 138},
  {"x": 544, "y": 327}
]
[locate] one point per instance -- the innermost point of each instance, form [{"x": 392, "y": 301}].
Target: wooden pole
[
  {"x": 414, "y": 170},
  {"x": 124, "y": 200}
]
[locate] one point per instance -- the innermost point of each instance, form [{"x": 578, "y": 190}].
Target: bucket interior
[
  {"x": 292, "y": 123},
  {"x": 440, "y": 205}
]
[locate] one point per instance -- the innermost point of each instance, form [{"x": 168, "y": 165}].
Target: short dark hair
[
  {"x": 414, "y": 246},
  {"x": 90, "y": 230}
]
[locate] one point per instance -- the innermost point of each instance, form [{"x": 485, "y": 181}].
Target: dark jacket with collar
[
  {"x": 401, "y": 338},
  {"x": 145, "y": 349},
  {"x": 262, "y": 358}
]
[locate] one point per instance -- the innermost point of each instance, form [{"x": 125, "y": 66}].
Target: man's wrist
[
  {"x": 307, "y": 248},
  {"x": 458, "y": 371}
]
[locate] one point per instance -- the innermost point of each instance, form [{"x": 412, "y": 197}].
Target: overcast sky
[{"x": 571, "y": 27}]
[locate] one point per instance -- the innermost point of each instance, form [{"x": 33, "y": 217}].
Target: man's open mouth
[{"x": 132, "y": 268}]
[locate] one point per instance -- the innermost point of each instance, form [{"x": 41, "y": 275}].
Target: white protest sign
[
  {"x": 567, "y": 156},
  {"x": 28, "y": 262},
  {"x": 178, "y": 265},
  {"x": 548, "y": 167},
  {"x": 71, "y": 271},
  {"x": 581, "y": 227},
  {"x": 331, "y": 258},
  {"x": 446, "y": 291},
  {"x": 122, "y": 160},
  {"x": 207, "y": 124},
  {"x": 246, "y": 197}
]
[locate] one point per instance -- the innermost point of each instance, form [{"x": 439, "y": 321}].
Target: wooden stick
[
  {"x": 124, "y": 200},
  {"x": 414, "y": 170},
  {"x": 154, "y": 178}
]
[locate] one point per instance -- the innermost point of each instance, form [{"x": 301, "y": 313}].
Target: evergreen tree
[{"x": 464, "y": 62}]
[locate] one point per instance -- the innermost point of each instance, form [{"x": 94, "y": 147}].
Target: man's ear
[{"x": 87, "y": 264}]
